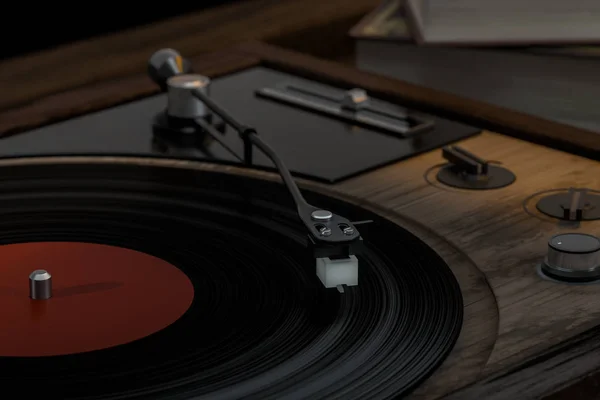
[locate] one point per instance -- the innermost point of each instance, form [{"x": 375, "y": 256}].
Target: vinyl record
[{"x": 212, "y": 272}]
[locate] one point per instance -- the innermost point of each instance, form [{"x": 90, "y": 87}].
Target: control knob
[
  {"x": 465, "y": 170},
  {"x": 181, "y": 100},
  {"x": 573, "y": 257}
]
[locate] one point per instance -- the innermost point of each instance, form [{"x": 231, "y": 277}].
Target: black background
[{"x": 27, "y": 27}]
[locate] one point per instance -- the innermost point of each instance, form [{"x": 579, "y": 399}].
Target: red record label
[{"x": 102, "y": 296}]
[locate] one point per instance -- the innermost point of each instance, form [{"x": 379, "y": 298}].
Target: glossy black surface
[
  {"x": 310, "y": 144},
  {"x": 261, "y": 325}
]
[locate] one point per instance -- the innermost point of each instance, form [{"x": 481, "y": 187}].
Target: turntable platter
[{"x": 260, "y": 324}]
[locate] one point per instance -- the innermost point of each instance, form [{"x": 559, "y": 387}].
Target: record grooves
[{"x": 261, "y": 326}]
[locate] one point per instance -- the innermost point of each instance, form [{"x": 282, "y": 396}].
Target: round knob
[
  {"x": 181, "y": 101},
  {"x": 321, "y": 215},
  {"x": 573, "y": 256},
  {"x": 40, "y": 285},
  {"x": 166, "y": 63}
]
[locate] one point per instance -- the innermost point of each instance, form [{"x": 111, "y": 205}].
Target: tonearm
[{"x": 332, "y": 237}]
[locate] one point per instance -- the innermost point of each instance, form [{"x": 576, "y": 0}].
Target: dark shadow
[
  {"x": 85, "y": 289},
  {"x": 93, "y": 21}
]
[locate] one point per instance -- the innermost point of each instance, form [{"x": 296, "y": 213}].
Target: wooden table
[
  {"x": 312, "y": 26},
  {"x": 41, "y": 84}
]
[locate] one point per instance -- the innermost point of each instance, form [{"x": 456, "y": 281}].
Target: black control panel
[{"x": 320, "y": 132}]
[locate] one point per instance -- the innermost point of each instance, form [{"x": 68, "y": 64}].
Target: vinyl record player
[{"x": 259, "y": 224}]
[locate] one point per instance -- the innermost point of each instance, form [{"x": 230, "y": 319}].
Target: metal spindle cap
[{"x": 40, "y": 285}]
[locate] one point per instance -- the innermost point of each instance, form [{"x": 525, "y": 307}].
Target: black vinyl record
[{"x": 261, "y": 325}]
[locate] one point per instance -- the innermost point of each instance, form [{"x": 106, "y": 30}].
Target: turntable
[{"x": 259, "y": 224}]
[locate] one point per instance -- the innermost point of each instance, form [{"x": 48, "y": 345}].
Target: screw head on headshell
[{"x": 166, "y": 63}]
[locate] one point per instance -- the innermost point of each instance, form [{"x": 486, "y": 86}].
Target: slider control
[
  {"x": 354, "y": 106},
  {"x": 465, "y": 170}
]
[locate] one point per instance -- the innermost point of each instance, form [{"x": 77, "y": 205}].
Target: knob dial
[
  {"x": 181, "y": 101},
  {"x": 573, "y": 257}
]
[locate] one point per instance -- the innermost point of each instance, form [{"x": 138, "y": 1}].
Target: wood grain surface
[
  {"x": 506, "y": 243},
  {"x": 533, "y": 338},
  {"x": 294, "y": 23},
  {"x": 523, "y": 337}
]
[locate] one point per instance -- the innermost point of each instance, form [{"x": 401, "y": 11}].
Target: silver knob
[
  {"x": 40, "y": 285},
  {"x": 321, "y": 215},
  {"x": 181, "y": 102},
  {"x": 573, "y": 256}
]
